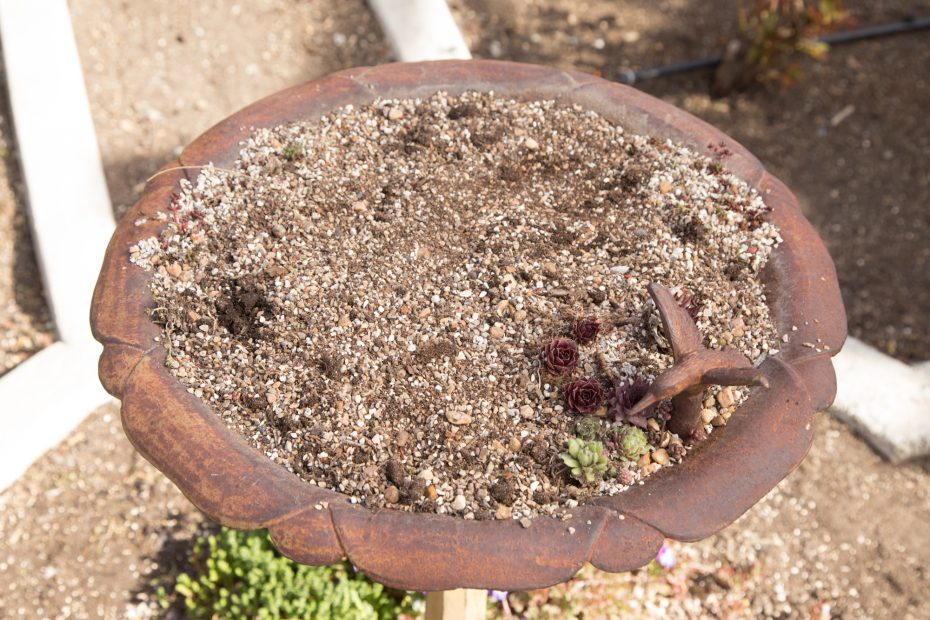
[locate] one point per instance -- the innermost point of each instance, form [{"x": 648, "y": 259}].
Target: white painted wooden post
[{"x": 457, "y": 605}]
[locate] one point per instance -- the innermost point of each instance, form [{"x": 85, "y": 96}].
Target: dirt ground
[
  {"x": 863, "y": 179},
  {"x": 197, "y": 63},
  {"x": 25, "y": 324}
]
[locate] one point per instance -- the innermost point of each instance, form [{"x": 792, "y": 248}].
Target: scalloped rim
[{"x": 232, "y": 483}]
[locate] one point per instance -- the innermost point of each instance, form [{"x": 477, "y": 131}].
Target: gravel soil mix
[
  {"x": 25, "y": 323},
  {"x": 384, "y": 302}
]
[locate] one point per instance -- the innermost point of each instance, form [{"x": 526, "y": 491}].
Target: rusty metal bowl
[{"x": 765, "y": 439}]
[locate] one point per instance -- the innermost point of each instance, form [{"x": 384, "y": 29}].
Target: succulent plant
[
  {"x": 587, "y": 428},
  {"x": 585, "y": 459},
  {"x": 623, "y": 396},
  {"x": 584, "y": 395},
  {"x": 586, "y": 329},
  {"x": 631, "y": 442},
  {"x": 560, "y": 356}
]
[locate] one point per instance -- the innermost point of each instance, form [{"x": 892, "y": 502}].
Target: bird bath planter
[{"x": 232, "y": 483}]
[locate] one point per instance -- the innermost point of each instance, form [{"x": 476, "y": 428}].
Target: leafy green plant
[
  {"x": 773, "y": 35},
  {"x": 585, "y": 459},
  {"x": 241, "y": 575}
]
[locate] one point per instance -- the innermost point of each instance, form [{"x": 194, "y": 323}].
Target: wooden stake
[{"x": 457, "y": 605}]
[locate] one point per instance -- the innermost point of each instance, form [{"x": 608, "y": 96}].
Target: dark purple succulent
[
  {"x": 584, "y": 395},
  {"x": 690, "y": 305},
  {"x": 560, "y": 356},
  {"x": 625, "y": 394},
  {"x": 586, "y": 329}
]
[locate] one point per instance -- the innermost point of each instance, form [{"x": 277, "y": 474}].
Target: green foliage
[
  {"x": 587, "y": 427},
  {"x": 631, "y": 442},
  {"x": 777, "y": 31},
  {"x": 585, "y": 459},
  {"x": 292, "y": 151},
  {"x": 241, "y": 575}
]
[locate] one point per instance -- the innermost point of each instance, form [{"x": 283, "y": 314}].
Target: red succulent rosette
[
  {"x": 584, "y": 395},
  {"x": 560, "y": 356},
  {"x": 586, "y": 329}
]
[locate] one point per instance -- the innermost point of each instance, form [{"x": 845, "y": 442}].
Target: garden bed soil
[
  {"x": 91, "y": 524},
  {"x": 25, "y": 323},
  {"x": 857, "y": 161},
  {"x": 199, "y": 62},
  {"x": 366, "y": 300}
]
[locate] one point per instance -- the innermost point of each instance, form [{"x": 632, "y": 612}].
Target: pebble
[
  {"x": 519, "y": 315},
  {"x": 396, "y": 113},
  {"x": 660, "y": 456},
  {"x": 665, "y": 186},
  {"x": 707, "y": 415},
  {"x": 431, "y": 492},
  {"x": 503, "y": 512},
  {"x": 459, "y": 418},
  {"x": 459, "y": 503},
  {"x": 427, "y": 474},
  {"x": 526, "y": 523},
  {"x": 653, "y": 424},
  {"x": 515, "y": 444},
  {"x": 278, "y": 230},
  {"x": 402, "y": 438},
  {"x": 719, "y": 421},
  {"x": 392, "y": 494},
  {"x": 497, "y": 332},
  {"x": 526, "y": 412},
  {"x": 725, "y": 398},
  {"x": 531, "y": 144},
  {"x": 174, "y": 270}
]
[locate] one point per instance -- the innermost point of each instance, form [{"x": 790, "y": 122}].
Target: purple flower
[
  {"x": 560, "y": 356},
  {"x": 584, "y": 395},
  {"x": 498, "y": 595},
  {"x": 666, "y": 556}
]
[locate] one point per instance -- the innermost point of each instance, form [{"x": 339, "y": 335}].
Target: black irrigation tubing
[{"x": 836, "y": 38}]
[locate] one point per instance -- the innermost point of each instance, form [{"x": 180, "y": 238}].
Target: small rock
[
  {"x": 359, "y": 206},
  {"x": 503, "y": 512},
  {"x": 707, "y": 415},
  {"x": 665, "y": 186},
  {"x": 402, "y": 438},
  {"x": 660, "y": 456},
  {"x": 392, "y": 494},
  {"x": 174, "y": 270},
  {"x": 458, "y": 503},
  {"x": 427, "y": 474},
  {"x": 653, "y": 424},
  {"x": 719, "y": 421},
  {"x": 526, "y": 523},
  {"x": 431, "y": 492},
  {"x": 497, "y": 332},
  {"x": 396, "y": 113},
  {"x": 192, "y": 316},
  {"x": 458, "y": 418},
  {"x": 519, "y": 315},
  {"x": 278, "y": 230},
  {"x": 559, "y": 292},
  {"x": 526, "y": 412},
  {"x": 531, "y": 144},
  {"x": 515, "y": 444},
  {"x": 345, "y": 321},
  {"x": 644, "y": 460},
  {"x": 725, "y": 398}
]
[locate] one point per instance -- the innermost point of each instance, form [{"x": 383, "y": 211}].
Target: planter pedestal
[{"x": 720, "y": 479}]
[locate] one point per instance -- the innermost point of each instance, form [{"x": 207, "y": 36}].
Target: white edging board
[
  {"x": 44, "y": 398},
  {"x": 885, "y": 400},
  {"x": 420, "y": 29}
]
